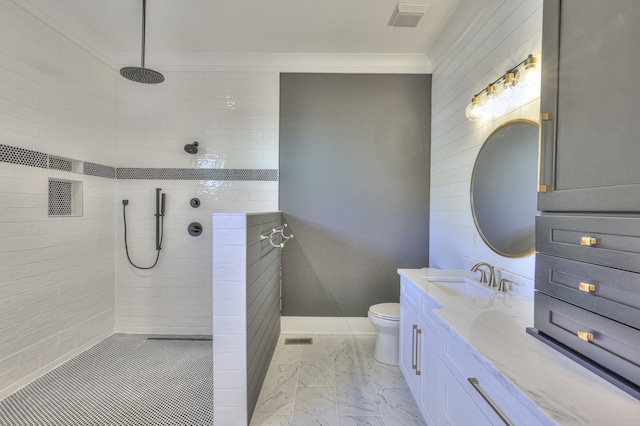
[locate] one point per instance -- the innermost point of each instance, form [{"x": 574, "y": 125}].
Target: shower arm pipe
[{"x": 144, "y": 14}]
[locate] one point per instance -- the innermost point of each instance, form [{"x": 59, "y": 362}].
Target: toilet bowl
[{"x": 385, "y": 317}]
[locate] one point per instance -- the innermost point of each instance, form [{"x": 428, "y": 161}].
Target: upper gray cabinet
[{"x": 590, "y": 119}]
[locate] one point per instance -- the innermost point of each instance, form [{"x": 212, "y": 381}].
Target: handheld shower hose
[{"x": 160, "y": 203}]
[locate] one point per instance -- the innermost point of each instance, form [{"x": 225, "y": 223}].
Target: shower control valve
[{"x": 194, "y": 229}]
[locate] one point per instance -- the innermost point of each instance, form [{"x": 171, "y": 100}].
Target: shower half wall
[{"x": 246, "y": 311}]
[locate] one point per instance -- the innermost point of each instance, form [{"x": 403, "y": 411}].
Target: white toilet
[{"x": 385, "y": 317}]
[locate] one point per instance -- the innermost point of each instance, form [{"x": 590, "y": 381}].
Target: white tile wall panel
[
  {"x": 56, "y": 274},
  {"x": 506, "y": 34}
]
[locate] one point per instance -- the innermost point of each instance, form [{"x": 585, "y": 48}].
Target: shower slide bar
[{"x": 274, "y": 232}]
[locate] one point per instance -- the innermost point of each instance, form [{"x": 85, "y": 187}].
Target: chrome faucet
[{"x": 483, "y": 274}]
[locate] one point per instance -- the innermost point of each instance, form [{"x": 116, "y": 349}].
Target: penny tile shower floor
[
  {"x": 335, "y": 381},
  {"x": 125, "y": 380}
]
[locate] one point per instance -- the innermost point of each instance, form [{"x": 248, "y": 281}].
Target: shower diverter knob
[{"x": 195, "y": 229}]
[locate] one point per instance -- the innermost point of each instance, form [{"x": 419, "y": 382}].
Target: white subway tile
[{"x": 230, "y": 379}]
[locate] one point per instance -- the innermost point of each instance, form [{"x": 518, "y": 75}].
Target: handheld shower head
[{"x": 191, "y": 148}]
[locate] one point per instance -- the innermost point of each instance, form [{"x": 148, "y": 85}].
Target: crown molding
[{"x": 285, "y": 62}]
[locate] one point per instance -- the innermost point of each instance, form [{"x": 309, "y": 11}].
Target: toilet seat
[{"x": 386, "y": 311}]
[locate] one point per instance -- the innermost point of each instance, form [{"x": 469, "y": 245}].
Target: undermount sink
[{"x": 463, "y": 287}]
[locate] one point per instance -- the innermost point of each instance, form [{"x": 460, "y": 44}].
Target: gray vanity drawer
[
  {"x": 609, "y": 292},
  {"x": 613, "y": 345},
  {"x": 607, "y": 241}
]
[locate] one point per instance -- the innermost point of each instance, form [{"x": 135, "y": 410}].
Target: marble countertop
[{"x": 495, "y": 327}]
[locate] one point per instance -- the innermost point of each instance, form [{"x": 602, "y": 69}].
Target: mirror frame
[{"x": 475, "y": 164}]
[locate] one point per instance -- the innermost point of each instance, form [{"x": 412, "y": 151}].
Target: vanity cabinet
[
  {"x": 588, "y": 104},
  {"x": 467, "y": 384},
  {"x": 587, "y": 301},
  {"x": 457, "y": 406},
  {"x": 419, "y": 347},
  {"x": 409, "y": 326},
  {"x": 448, "y": 379}
]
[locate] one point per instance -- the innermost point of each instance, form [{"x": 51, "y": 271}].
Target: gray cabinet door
[{"x": 590, "y": 127}]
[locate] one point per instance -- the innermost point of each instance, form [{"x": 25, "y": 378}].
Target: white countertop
[{"x": 495, "y": 327}]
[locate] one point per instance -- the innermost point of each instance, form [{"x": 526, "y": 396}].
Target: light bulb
[
  {"x": 529, "y": 76},
  {"x": 474, "y": 109},
  {"x": 490, "y": 103},
  {"x": 508, "y": 88}
]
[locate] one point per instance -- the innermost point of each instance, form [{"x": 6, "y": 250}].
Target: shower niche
[{"x": 65, "y": 198}]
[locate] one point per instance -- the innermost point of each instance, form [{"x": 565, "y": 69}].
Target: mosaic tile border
[
  {"x": 93, "y": 169},
  {"x": 198, "y": 174},
  {"x": 25, "y": 157},
  {"x": 59, "y": 163}
]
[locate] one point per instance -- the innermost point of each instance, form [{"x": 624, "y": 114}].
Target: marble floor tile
[
  {"x": 320, "y": 343},
  {"x": 315, "y": 406},
  {"x": 287, "y": 354},
  {"x": 279, "y": 389},
  {"x": 317, "y": 372},
  {"x": 360, "y": 421},
  {"x": 349, "y": 352},
  {"x": 399, "y": 408},
  {"x": 338, "y": 375},
  {"x": 270, "y": 420},
  {"x": 368, "y": 343},
  {"x": 317, "y": 365},
  {"x": 386, "y": 376},
  {"x": 354, "y": 392}
]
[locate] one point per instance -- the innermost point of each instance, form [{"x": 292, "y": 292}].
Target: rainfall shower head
[
  {"x": 141, "y": 74},
  {"x": 191, "y": 148}
]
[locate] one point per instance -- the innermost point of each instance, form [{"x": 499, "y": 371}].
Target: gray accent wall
[{"x": 354, "y": 188}]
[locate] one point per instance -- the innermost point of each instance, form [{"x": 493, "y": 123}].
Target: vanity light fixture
[{"x": 517, "y": 86}]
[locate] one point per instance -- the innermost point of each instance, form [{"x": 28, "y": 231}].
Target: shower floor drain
[
  {"x": 125, "y": 380},
  {"x": 183, "y": 338},
  {"x": 298, "y": 341}
]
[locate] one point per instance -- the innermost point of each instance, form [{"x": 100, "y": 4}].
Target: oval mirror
[{"x": 503, "y": 188}]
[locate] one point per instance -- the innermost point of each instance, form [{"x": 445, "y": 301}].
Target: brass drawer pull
[
  {"x": 586, "y": 287},
  {"x": 414, "y": 361},
  {"x": 476, "y": 384},
  {"x": 418, "y": 333},
  {"x": 585, "y": 335},
  {"x": 588, "y": 241}
]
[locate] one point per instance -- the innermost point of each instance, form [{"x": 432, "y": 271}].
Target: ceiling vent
[{"x": 407, "y": 14}]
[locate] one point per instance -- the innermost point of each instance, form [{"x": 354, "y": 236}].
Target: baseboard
[
  {"x": 326, "y": 325},
  {"x": 47, "y": 368}
]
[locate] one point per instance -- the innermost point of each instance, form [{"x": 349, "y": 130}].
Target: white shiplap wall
[
  {"x": 56, "y": 274},
  {"x": 485, "y": 38}
]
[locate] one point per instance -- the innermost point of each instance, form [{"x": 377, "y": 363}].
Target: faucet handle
[
  {"x": 502, "y": 286},
  {"x": 483, "y": 276}
]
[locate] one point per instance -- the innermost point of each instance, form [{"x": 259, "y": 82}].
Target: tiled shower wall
[
  {"x": 499, "y": 35},
  {"x": 56, "y": 274},
  {"x": 234, "y": 117}
]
